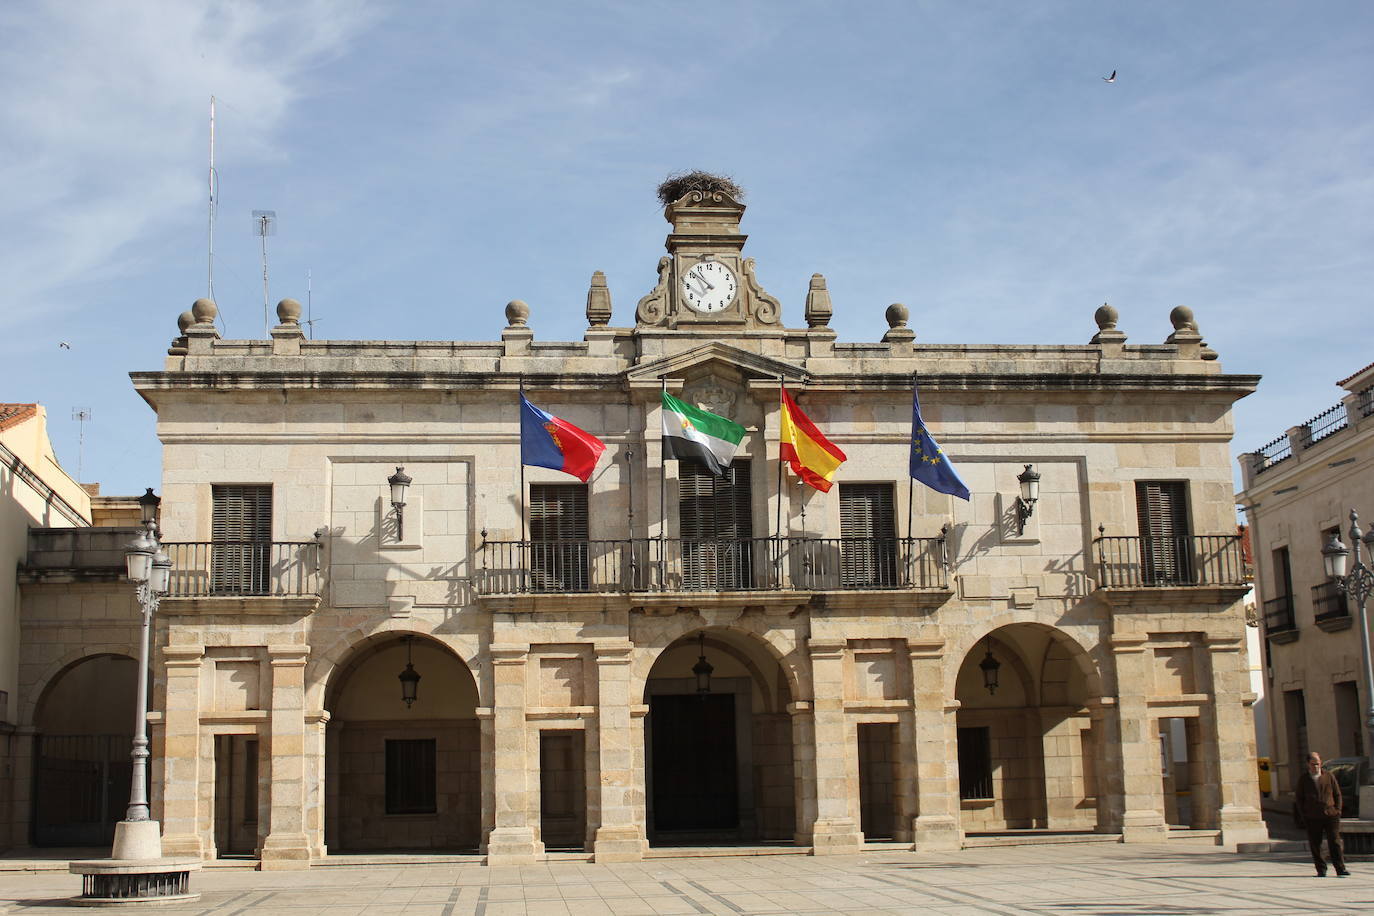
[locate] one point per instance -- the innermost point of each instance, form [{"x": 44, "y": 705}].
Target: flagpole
[
  {"x": 662, "y": 496},
  {"x": 910, "y": 485},
  {"x": 777, "y": 548},
  {"x": 524, "y": 533}
]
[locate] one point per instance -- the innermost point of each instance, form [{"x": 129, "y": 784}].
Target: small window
[
  {"x": 241, "y": 539},
  {"x": 1166, "y": 543},
  {"x": 868, "y": 536},
  {"x": 558, "y": 537},
  {"x": 410, "y": 785},
  {"x": 975, "y": 762}
]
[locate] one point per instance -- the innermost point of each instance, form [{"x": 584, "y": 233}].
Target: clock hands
[{"x": 692, "y": 274}]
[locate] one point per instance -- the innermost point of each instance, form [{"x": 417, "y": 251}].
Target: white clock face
[{"x": 708, "y": 286}]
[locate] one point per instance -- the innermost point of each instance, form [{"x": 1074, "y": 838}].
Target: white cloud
[{"x": 103, "y": 127}]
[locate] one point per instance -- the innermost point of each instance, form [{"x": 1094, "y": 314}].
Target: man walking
[{"x": 1317, "y": 808}]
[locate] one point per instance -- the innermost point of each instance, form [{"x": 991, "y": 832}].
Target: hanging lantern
[
  {"x": 702, "y": 669},
  {"x": 990, "y": 666},
  {"x": 410, "y": 680}
]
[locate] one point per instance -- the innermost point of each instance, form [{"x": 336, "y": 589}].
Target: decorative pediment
[{"x": 708, "y": 359}]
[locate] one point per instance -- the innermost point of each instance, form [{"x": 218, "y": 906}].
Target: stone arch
[
  {"x": 782, "y": 646},
  {"x": 28, "y": 709},
  {"x": 324, "y": 665},
  {"x": 1075, "y": 653}
]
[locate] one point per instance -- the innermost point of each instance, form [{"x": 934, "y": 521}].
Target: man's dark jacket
[{"x": 1317, "y": 799}]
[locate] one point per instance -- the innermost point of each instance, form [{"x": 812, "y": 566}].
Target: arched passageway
[
  {"x": 719, "y": 760},
  {"x": 403, "y": 777},
  {"x": 83, "y": 738},
  {"x": 1028, "y": 755}
]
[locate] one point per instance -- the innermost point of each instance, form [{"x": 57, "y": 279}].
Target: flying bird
[
  {"x": 64, "y": 345},
  {"x": 1110, "y": 79}
]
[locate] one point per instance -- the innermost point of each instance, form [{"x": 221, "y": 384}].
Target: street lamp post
[
  {"x": 150, "y": 570},
  {"x": 1356, "y": 582}
]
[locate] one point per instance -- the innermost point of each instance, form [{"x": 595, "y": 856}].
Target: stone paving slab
[{"x": 1170, "y": 880}]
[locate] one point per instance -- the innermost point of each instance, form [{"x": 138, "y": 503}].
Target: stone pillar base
[
  {"x": 617, "y": 844},
  {"x": 1242, "y": 825},
  {"x": 182, "y": 844},
  {"x": 285, "y": 853},
  {"x": 511, "y": 846},
  {"x": 936, "y": 832},
  {"x": 137, "y": 840},
  {"x": 1143, "y": 827},
  {"x": 835, "y": 838}
]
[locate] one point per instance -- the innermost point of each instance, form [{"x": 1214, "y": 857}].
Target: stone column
[
  {"x": 619, "y": 838},
  {"x": 1233, "y": 744},
  {"x": 21, "y": 786},
  {"x": 936, "y": 749},
  {"x": 803, "y": 770},
  {"x": 316, "y": 736},
  {"x": 511, "y": 840},
  {"x": 181, "y": 763},
  {"x": 1106, "y": 785},
  {"x": 1142, "y": 809},
  {"x": 287, "y": 846},
  {"x": 835, "y": 829}
]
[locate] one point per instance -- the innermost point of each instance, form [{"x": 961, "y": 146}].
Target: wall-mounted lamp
[
  {"x": 990, "y": 667},
  {"x": 399, "y": 482},
  {"x": 702, "y": 669},
  {"x": 410, "y": 679},
  {"x": 1029, "y": 479}
]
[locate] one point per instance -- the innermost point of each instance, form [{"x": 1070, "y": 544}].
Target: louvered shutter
[
  {"x": 868, "y": 536},
  {"x": 715, "y": 523},
  {"x": 1165, "y": 538},
  {"x": 241, "y": 539},
  {"x": 558, "y": 537}
]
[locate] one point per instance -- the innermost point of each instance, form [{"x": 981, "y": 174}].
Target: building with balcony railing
[
  {"x": 504, "y": 660},
  {"x": 1297, "y": 490}
]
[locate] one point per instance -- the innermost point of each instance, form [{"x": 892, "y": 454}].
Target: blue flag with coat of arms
[{"x": 929, "y": 464}]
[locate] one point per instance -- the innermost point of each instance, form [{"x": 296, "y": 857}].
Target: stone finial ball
[
  {"x": 1106, "y": 317},
  {"x": 897, "y": 314},
  {"x": 289, "y": 311},
  {"x": 1182, "y": 317},
  {"x": 517, "y": 313},
  {"x": 185, "y": 320},
  {"x": 204, "y": 311}
]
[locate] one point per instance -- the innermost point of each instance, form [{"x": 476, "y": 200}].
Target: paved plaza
[{"x": 1048, "y": 880}]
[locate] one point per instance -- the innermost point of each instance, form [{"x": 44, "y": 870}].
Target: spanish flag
[{"x": 813, "y": 457}]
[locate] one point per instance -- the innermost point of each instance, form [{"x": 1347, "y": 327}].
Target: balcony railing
[
  {"x": 1271, "y": 453},
  {"x": 1329, "y": 602},
  {"x": 243, "y": 568},
  {"x": 702, "y": 565},
  {"x": 1278, "y": 615},
  {"x": 1188, "y": 560},
  {"x": 1331, "y": 420}
]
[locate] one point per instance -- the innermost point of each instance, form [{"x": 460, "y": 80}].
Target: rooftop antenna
[
  {"x": 80, "y": 415},
  {"x": 265, "y": 224},
  {"x": 211, "y": 216},
  {"x": 309, "y": 304}
]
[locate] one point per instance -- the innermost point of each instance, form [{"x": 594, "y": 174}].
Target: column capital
[
  {"x": 1128, "y": 642},
  {"x": 825, "y": 648},
  {"x": 508, "y": 653},
  {"x": 288, "y": 654},
  {"x": 614, "y": 653},
  {"x": 1224, "y": 643},
  {"x": 925, "y": 648}
]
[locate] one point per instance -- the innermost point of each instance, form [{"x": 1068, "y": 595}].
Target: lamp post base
[
  {"x": 136, "y": 872},
  {"x": 137, "y": 840}
]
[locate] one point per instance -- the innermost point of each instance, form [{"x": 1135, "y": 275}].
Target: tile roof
[{"x": 14, "y": 414}]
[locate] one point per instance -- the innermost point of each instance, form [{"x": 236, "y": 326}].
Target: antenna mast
[
  {"x": 265, "y": 223},
  {"x": 309, "y": 304},
  {"x": 80, "y": 415},
  {"x": 213, "y": 181}
]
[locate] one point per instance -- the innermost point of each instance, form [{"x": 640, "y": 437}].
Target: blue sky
[{"x": 429, "y": 162}]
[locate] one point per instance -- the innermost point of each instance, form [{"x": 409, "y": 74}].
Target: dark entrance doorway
[
  {"x": 877, "y": 763},
  {"x": 562, "y": 790},
  {"x": 236, "y": 795},
  {"x": 81, "y": 788},
  {"x": 696, "y": 783}
]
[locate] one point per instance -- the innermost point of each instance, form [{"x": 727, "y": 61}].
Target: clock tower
[{"x": 705, "y": 282}]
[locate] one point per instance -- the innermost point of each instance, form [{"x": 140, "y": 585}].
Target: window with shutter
[
  {"x": 1166, "y": 556},
  {"x": 558, "y": 537},
  {"x": 241, "y": 539},
  {"x": 410, "y": 776},
  {"x": 868, "y": 536},
  {"x": 716, "y": 526}
]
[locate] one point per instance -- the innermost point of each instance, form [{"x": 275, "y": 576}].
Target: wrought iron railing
[
  {"x": 1278, "y": 615},
  {"x": 1331, "y": 420},
  {"x": 720, "y": 564},
  {"x": 1329, "y": 602},
  {"x": 1271, "y": 453},
  {"x": 1366, "y": 401},
  {"x": 1199, "y": 559},
  {"x": 243, "y": 568}
]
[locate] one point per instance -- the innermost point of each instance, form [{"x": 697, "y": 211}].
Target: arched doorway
[
  {"x": 82, "y": 744},
  {"x": 1027, "y": 750},
  {"x": 719, "y": 760},
  {"x": 403, "y": 777}
]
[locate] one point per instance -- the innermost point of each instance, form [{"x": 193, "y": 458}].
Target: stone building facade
[
  {"x": 661, "y": 657},
  {"x": 1298, "y": 490}
]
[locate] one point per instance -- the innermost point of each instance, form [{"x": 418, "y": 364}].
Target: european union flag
[{"x": 929, "y": 464}]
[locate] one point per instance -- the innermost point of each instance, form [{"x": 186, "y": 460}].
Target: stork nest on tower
[{"x": 680, "y": 183}]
